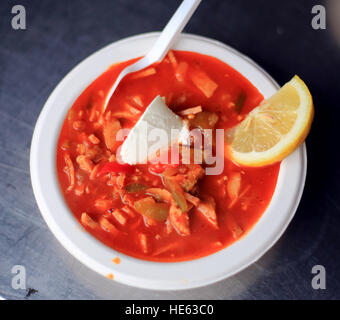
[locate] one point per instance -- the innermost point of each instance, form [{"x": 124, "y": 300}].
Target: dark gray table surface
[{"x": 276, "y": 34}]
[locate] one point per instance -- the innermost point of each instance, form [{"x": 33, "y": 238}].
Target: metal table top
[{"x": 59, "y": 34}]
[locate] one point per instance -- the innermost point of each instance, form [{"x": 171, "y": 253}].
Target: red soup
[{"x": 154, "y": 211}]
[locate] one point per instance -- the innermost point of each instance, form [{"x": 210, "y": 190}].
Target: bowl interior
[{"x": 132, "y": 271}]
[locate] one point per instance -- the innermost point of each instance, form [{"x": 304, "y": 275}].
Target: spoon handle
[
  {"x": 162, "y": 45},
  {"x": 172, "y": 30}
]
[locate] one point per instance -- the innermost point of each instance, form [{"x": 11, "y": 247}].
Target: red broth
[{"x": 239, "y": 195}]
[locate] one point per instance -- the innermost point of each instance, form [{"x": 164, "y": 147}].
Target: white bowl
[{"x": 132, "y": 271}]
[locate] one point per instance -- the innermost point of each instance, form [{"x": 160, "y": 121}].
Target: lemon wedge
[{"x": 273, "y": 129}]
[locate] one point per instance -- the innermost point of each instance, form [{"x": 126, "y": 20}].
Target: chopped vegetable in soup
[{"x": 158, "y": 211}]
